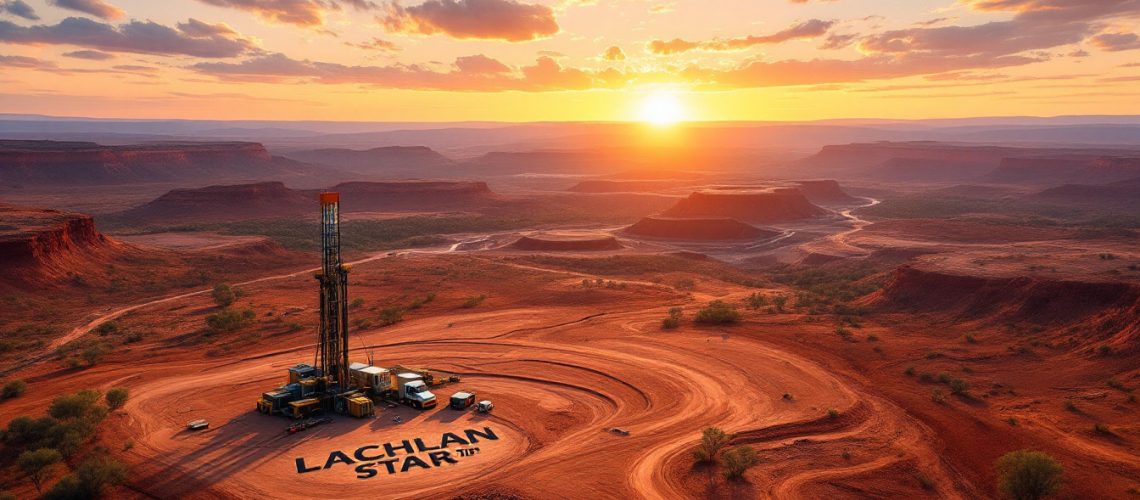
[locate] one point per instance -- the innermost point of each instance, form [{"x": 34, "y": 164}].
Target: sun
[{"x": 662, "y": 109}]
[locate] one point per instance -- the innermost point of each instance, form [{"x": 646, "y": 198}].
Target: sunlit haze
[{"x": 564, "y": 60}]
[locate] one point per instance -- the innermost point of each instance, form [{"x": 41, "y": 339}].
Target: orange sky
[{"x": 528, "y": 60}]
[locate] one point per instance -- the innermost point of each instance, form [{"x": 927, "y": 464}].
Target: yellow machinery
[{"x": 304, "y": 408}]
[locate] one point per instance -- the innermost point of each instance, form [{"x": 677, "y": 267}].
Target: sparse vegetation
[
  {"x": 1028, "y": 475},
  {"x": 832, "y": 413},
  {"x": 959, "y": 386},
  {"x": 473, "y": 301},
  {"x": 756, "y": 300},
  {"x": 229, "y": 320},
  {"x": 356, "y": 303},
  {"x": 38, "y": 464},
  {"x": 717, "y": 312},
  {"x": 1102, "y": 428},
  {"x": 107, "y": 328},
  {"x": 1071, "y": 407},
  {"x": 844, "y": 333},
  {"x": 224, "y": 295},
  {"x": 737, "y": 460},
  {"x": 1011, "y": 421},
  {"x": 90, "y": 480},
  {"x": 712, "y": 440},
  {"x": 787, "y": 397},
  {"x": 938, "y": 396},
  {"x": 909, "y": 371},
  {"x": 391, "y": 315},
  {"x": 1104, "y": 350},
  {"x": 780, "y": 301},
  {"x": 970, "y": 339},
  {"x": 13, "y": 389},
  {"x": 117, "y": 397},
  {"x": 673, "y": 320}
]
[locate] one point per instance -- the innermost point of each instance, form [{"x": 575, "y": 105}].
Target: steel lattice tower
[{"x": 333, "y": 345}]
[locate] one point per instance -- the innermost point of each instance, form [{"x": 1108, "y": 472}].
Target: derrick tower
[{"x": 333, "y": 344}]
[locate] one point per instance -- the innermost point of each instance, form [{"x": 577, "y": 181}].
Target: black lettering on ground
[
  {"x": 365, "y": 471},
  {"x": 338, "y": 457},
  {"x": 360, "y": 453},
  {"x": 413, "y": 460},
  {"x": 302, "y": 468},
  {"x": 422, "y": 447},
  {"x": 486, "y": 434},
  {"x": 390, "y": 464},
  {"x": 406, "y": 446},
  {"x": 438, "y": 457},
  {"x": 449, "y": 438}
]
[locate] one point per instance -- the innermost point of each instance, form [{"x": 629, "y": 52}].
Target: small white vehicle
[
  {"x": 197, "y": 425},
  {"x": 485, "y": 406}
]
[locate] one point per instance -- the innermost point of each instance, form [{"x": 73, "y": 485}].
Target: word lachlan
[{"x": 392, "y": 458}]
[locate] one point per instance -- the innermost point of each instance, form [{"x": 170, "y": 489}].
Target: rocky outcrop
[
  {"x": 566, "y": 243},
  {"x": 51, "y": 163},
  {"x": 711, "y": 229},
  {"x": 390, "y": 161},
  {"x": 37, "y": 244},
  {"x": 825, "y": 192},
  {"x": 761, "y": 205},
  {"x": 263, "y": 200},
  {"x": 415, "y": 195}
]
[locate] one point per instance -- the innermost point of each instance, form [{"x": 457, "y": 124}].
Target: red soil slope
[
  {"x": 697, "y": 229},
  {"x": 1108, "y": 312},
  {"x": 764, "y": 206}
]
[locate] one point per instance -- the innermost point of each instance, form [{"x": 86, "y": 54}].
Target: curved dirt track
[{"x": 559, "y": 377}]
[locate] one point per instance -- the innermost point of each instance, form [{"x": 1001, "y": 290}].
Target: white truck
[{"x": 412, "y": 391}]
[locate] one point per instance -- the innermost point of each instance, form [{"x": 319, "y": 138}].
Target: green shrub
[
  {"x": 712, "y": 440},
  {"x": 674, "y": 319},
  {"x": 909, "y": 371},
  {"x": 116, "y": 397},
  {"x": 959, "y": 386},
  {"x": 1028, "y": 475},
  {"x": 780, "y": 301},
  {"x": 938, "y": 396},
  {"x": 223, "y": 295},
  {"x": 970, "y": 339},
  {"x": 229, "y": 320},
  {"x": 107, "y": 328},
  {"x": 1104, "y": 350},
  {"x": 356, "y": 303},
  {"x": 473, "y": 301},
  {"x": 1101, "y": 428},
  {"x": 90, "y": 480},
  {"x": 13, "y": 389},
  {"x": 943, "y": 377},
  {"x": 737, "y": 460},
  {"x": 756, "y": 300},
  {"x": 38, "y": 464},
  {"x": 717, "y": 312},
  {"x": 391, "y": 315},
  {"x": 1011, "y": 421},
  {"x": 832, "y": 413}
]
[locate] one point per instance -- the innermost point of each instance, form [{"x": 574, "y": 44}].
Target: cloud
[
  {"x": 19, "y": 8},
  {"x": 303, "y": 13},
  {"x": 807, "y": 29},
  {"x": 480, "y": 64},
  {"x": 1115, "y": 42},
  {"x": 836, "y": 41},
  {"x": 375, "y": 44},
  {"x": 24, "y": 62},
  {"x": 614, "y": 53},
  {"x": 93, "y": 55},
  {"x": 486, "y": 19},
  {"x": 97, "y": 8},
  {"x": 477, "y": 73},
  {"x": 196, "y": 28},
  {"x": 136, "y": 36}
]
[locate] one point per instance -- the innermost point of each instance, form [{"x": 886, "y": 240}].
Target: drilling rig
[
  {"x": 328, "y": 385},
  {"x": 332, "y": 345}
]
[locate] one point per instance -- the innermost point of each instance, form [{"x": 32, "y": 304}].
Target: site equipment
[
  {"x": 485, "y": 406},
  {"x": 333, "y": 342},
  {"x": 413, "y": 391},
  {"x": 197, "y": 425},
  {"x": 462, "y": 400}
]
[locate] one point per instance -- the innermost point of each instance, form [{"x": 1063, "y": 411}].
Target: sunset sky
[{"x": 530, "y": 60}]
